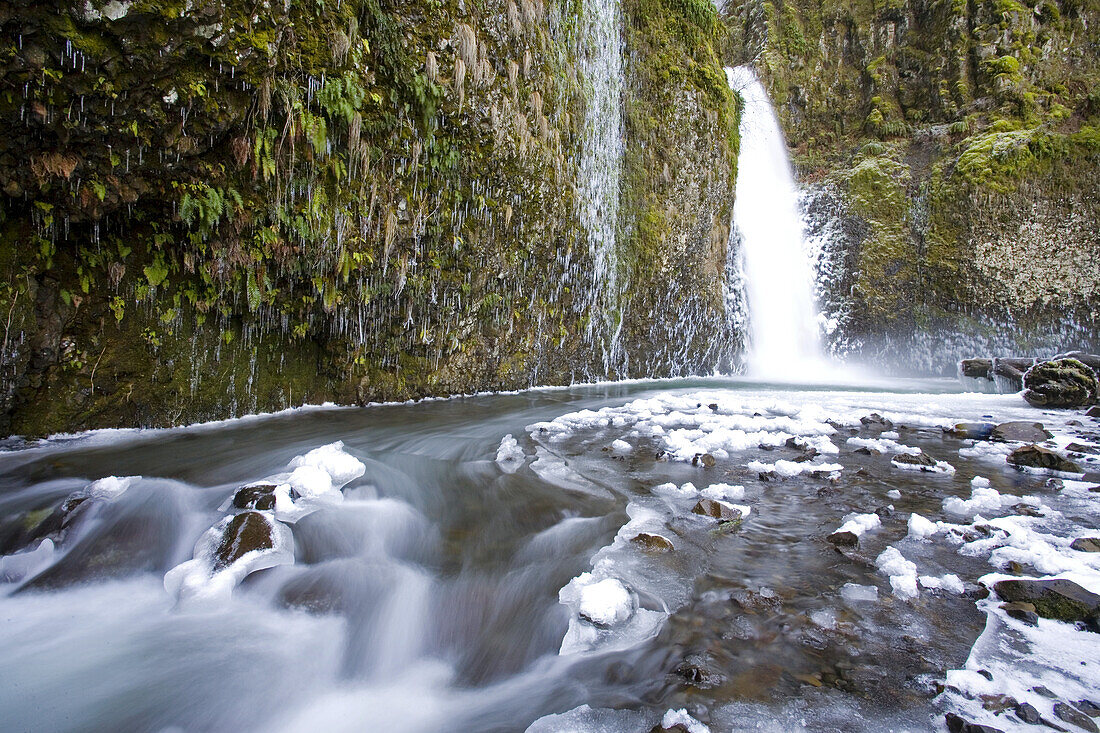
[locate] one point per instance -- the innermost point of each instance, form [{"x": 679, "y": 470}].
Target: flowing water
[
  {"x": 440, "y": 590},
  {"x": 778, "y": 277}
]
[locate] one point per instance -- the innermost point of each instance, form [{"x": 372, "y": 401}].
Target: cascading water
[
  {"x": 778, "y": 277},
  {"x": 601, "y": 66}
]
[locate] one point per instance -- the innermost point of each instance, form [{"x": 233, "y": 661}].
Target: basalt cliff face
[
  {"x": 950, "y": 151},
  {"x": 213, "y": 208}
]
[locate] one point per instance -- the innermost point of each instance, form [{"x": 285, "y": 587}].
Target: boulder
[
  {"x": 652, "y": 542},
  {"x": 1090, "y": 360},
  {"x": 1028, "y": 713},
  {"x": 1093, "y": 412},
  {"x": 256, "y": 496},
  {"x": 1036, "y": 456},
  {"x": 1086, "y": 544},
  {"x": 1061, "y": 383},
  {"x": 246, "y": 532},
  {"x": 1058, "y": 599},
  {"x": 1019, "y": 431},
  {"x": 717, "y": 510}
]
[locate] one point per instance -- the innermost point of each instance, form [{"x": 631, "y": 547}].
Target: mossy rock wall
[
  {"x": 209, "y": 209},
  {"x": 953, "y": 148}
]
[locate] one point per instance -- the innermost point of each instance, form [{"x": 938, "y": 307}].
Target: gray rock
[
  {"x": 1061, "y": 383},
  {"x": 955, "y": 724},
  {"x": 1020, "y": 432},
  {"x": 875, "y": 421},
  {"x": 1074, "y": 716},
  {"x": 844, "y": 539},
  {"x": 1036, "y": 456},
  {"x": 1027, "y": 713},
  {"x": 922, "y": 459}
]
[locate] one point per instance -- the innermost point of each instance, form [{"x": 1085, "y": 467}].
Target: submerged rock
[
  {"x": 1019, "y": 431},
  {"x": 1061, "y": 383},
  {"x": 1036, "y": 456},
  {"x": 246, "y": 532},
  {"x": 1058, "y": 599}
]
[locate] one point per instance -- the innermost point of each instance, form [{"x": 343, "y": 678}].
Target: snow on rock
[
  {"x": 893, "y": 494},
  {"x": 342, "y": 467},
  {"x": 881, "y": 445},
  {"x": 108, "y": 488},
  {"x": 902, "y": 572},
  {"x": 982, "y": 499},
  {"x": 620, "y": 448},
  {"x": 858, "y": 524},
  {"x": 670, "y": 489},
  {"x": 509, "y": 454},
  {"x": 724, "y": 492}
]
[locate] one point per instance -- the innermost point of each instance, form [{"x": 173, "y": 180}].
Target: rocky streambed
[{"x": 709, "y": 554}]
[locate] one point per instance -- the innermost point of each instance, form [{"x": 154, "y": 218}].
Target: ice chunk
[
  {"x": 902, "y": 572},
  {"x": 341, "y": 467},
  {"x": 793, "y": 468},
  {"x": 591, "y": 720},
  {"x": 857, "y": 524},
  {"x": 854, "y": 593},
  {"x": 921, "y": 528},
  {"x": 509, "y": 455},
  {"x": 620, "y": 448},
  {"x": 981, "y": 500},
  {"x": 26, "y": 564},
  {"x": 893, "y": 494},
  {"x": 950, "y": 583},
  {"x": 606, "y": 602},
  {"x": 724, "y": 492}
]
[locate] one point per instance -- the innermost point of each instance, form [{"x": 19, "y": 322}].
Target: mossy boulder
[
  {"x": 1058, "y": 599},
  {"x": 1064, "y": 383}
]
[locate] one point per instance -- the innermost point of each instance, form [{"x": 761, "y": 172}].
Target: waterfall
[
  {"x": 600, "y": 167},
  {"x": 778, "y": 277}
]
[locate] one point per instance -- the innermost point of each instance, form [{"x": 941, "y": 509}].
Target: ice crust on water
[
  {"x": 724, "y": 492},
  {"x": 681, "y": 717},
  {"x": 510, "y": 455},
  {"x": 855, "y": 593},
  {"x": 982, "y": 499},
  {"x": 950, "y": 583},
  {"x": 585, "y": 719},
  {"x": 902, "y": 572},
  {"x": 881, "y": 445},
  {"x": 858, "y": 524},
  {"x": 109, "y": 488},
  {"x": 941, "y": 467}
]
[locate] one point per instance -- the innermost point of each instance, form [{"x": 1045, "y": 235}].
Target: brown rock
[
  {"x": 652, "y": 542},
  {"x": 1036, "y": 456},
  {"x": 257, "y": 496},
  {"x": 716, "y": 510},
  {"x": 246, "y": 532},
  {"x": 844, "y": 539},
  {"x": 1086, "y": 544}
]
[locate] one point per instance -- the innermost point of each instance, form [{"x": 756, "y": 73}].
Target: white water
[
  {"x": 601, "y": 66},
  {"x": 783, "y": 324}
]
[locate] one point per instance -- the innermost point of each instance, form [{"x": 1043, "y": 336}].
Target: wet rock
[
  {"x": 1027, "y": 713},
  {"x": 884, "y": 512},
  {"x": 713, "y": 406},
  {"x": 922, "y": 460},
  {"x": 976, "y": 368},
  {"x": 1019, "y": 431},
  {"x": 258, "y": 496},
  {"x": 1061, "y": 383},
  {"x": 1088, "y": 707},
  {"x": 1074, "y": 716},
  {"x": 764, "y": 600},
  {"x": 704, "y": 459},
  {"x": 1044, "y": 692},
  {"x": 1084, "y": 449},
  {"x": 1058, "y": 599},
  {"x": 997, "y": 704},
  {"x": 716, "y": 510},
  {"x": 1036, "y": 456},
  {"x": 972, "y": 430},
  {"x": 875, "y": 421},
  {"x": 1055, "y": 483},
  {"x": 1021, "y": 612},
  {"x": 1027, "y": 510},
  {"x": 652, "y": 542},
  {"x": 955, "y": 724},
  {"x": 246, "y": 532},
  {"x": 864, "y": 451},
  {"x": 1093, "y": 412},
  {"x": 844, "y": 539},
  {"x": 1086, "y": 544}
]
